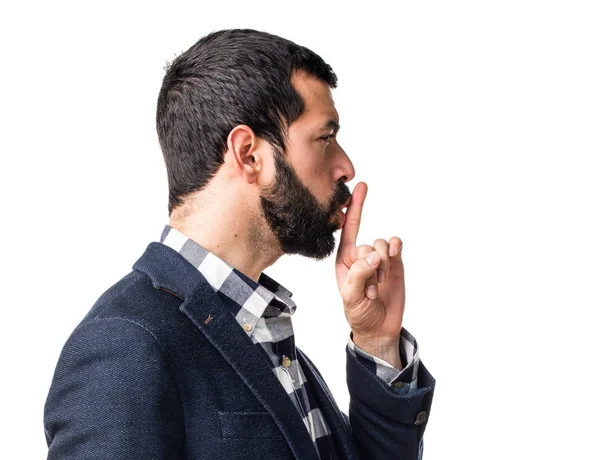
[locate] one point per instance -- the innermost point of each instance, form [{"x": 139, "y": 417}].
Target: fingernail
[
  {"x": 372, "y": 292},
  {"x": 380, "y": 275},
  {"x": 373, "y": 258},
  {"x": 392, "y": 251}
]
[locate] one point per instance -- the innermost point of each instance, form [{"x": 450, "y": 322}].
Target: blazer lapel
[{"x": 169, "y": 270}]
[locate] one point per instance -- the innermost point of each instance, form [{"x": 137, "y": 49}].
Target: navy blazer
[{"x": 159, "y": 369}]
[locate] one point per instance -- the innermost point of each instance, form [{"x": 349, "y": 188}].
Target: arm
[
  {"x": 112, "y": 396},
  {"x": 387, "y": 422}
]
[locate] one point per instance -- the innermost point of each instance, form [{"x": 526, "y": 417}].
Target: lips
[
  {"x": 342, "y": 219},
  {"x": 340, "y": 212}
]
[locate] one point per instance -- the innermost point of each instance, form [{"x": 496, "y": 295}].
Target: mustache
[{"x": 341, "y": 195}]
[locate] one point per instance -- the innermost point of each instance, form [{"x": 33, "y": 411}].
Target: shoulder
[
  {"x": 135, "y": 299},
  {"x": 133, "y": 309}
]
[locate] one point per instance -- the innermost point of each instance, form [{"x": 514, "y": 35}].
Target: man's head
[{"x": 266, "y": 101}]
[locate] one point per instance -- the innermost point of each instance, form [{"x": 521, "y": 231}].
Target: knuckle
[
  {"x": 363, "y": 250},
  {"x": 345, "y": 292}
]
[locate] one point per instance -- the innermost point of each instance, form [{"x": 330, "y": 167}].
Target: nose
[{"x": 345, "y": 168}]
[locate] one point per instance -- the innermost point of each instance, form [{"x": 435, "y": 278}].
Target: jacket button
[
  {"x": 285, "y": 361},
  {"x": 421, "y": 417},
  {"x": 399, "y": 384}
]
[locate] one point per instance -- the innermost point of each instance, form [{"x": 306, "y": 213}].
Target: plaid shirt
[{"x": 264, "y": 310}]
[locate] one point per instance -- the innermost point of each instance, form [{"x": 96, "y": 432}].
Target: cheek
[
  {"x": 312, "y": 169},
  {"x": 314, "y": 174},
  {"x": 310, "y": 165}
]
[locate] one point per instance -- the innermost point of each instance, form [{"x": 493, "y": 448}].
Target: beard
[{"x": 296, "y": 218}]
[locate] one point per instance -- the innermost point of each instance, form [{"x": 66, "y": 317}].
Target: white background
[{"x": 475, "y": 125}]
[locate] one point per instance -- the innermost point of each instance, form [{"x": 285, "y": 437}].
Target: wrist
[{"x": 385, "y": 348}]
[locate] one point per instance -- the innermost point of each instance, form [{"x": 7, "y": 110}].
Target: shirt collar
[{"x": 265, "y": 298}]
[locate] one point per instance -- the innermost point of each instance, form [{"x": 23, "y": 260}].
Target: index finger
[{"x": 353, "y": 214}]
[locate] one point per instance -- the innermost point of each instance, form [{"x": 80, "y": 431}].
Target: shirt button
[
  {"x": 247, "y": 326},
  {"x": 285, "y": 361},
  {"x": 399, "y": 384},
  {"x": 421, "y": 417}
]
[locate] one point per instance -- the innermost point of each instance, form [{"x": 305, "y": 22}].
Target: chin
[{"x": 318, "y": 248}]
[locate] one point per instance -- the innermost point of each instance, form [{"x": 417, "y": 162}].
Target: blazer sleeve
[
  {"x": 386, "y": 423},
  {"x": 112, "y": 396}
]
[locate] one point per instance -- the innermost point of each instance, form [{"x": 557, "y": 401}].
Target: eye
[{"x": 327, "y": 138}]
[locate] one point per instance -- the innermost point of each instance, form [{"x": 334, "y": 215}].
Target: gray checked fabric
[{"x": 264, "y": 310}]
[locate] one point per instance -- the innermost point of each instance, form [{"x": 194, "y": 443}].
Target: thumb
[{"x": 361, "y": 276}]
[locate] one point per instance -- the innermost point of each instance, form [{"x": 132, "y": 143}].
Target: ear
[{"x": 245, "y": 153}]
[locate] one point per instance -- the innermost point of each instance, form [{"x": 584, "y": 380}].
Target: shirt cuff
[{"x": 404, "y": 380}]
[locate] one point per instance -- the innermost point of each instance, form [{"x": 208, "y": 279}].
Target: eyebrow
[{"x": 331, "y": 124}]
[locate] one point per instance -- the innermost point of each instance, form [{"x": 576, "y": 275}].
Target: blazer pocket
[{"x": 248, "y": 425}]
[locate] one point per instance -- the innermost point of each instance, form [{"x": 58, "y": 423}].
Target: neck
[{"x": 232, "y": 229}]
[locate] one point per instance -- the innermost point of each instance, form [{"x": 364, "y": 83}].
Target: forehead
[{"x": 318, "y": 101}]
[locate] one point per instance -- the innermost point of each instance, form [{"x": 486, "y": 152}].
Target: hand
[{"x": 378, "y": 317}]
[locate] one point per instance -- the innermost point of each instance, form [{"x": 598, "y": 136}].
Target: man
[{"x": 192, "y": 355}]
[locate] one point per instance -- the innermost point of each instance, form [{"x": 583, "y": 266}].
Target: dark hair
[{"x": 229, "y": 77}]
